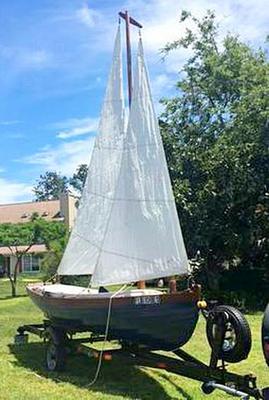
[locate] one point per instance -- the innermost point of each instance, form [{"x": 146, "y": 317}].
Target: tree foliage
[
  {"x": 216, "y": 136},
  {"x": 52, "y": 258},
  {"x": 79, "y": 177},
  {"x": 27, "y": 234},
  {"x": 50, "y": 186}
]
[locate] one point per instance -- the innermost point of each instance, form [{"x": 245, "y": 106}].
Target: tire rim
[
  {"x": 229, "y": 341},
  {"x": 229, "y": 338}
]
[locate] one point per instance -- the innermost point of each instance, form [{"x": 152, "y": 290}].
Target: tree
[
  {"x": 52, "y": 258},
  {"x": 50, "y": 186},
  {"x": 14, "y": 236},
  {"x": 216, "y": 136},
  {"x": 79, "y": 177}
]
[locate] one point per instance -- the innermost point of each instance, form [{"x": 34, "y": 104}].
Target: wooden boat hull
[{"x": 164, "y": 321}]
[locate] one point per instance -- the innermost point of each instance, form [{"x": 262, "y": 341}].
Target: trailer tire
[
  {"x": 55, "y": 357},
  {"x": 207, "y": 388},
  {"x": 56, "y": 349},
  {"x": 237, "y": 347}
]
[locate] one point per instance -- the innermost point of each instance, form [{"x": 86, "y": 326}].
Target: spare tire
[
  {"x": 265, "y": 335},
  {"x": 237, "y": 338}
]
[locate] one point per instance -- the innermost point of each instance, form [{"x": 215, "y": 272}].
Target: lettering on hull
[{"x": 145, "y": 300}]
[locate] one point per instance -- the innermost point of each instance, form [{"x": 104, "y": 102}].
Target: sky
[{"x": 54, "y": 61}]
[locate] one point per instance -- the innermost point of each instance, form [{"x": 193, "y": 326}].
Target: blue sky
[{"x": 54, "y": 60}]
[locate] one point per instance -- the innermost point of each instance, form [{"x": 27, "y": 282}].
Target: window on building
[
  {"x": 27, "y": 263},
  {"x": 35, "y": 263},
  {"x": 30, "y": 263}
]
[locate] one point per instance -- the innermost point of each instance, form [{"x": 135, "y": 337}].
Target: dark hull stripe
[{"x": 164, "y": 326}]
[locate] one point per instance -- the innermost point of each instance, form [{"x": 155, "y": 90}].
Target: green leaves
[
  {"x": 79, "y": 177},
  {"x": 51, "y": 185},
  {"x": 35, "y": 232},
  {"x": 216, "y": 137}
]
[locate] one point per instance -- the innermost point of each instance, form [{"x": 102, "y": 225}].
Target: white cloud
[
  {"x": 35, "y": 58},
  {"x": 160, "y": 18},
  {"x": 15, "y": 135},
  {"x": 83, "y": 15},
  {"x": 161, "y": 84},
  {"x": 87, "y": 16},
  {"x": 76, "y": 127},
  {"x": 26, "y": 58},
  {"x": 9, "y": 122},
  {"x": 11, "y": 191},
  {"x": 63, "y": 158}
]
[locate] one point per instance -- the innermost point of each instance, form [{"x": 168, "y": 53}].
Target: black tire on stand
[
  {"x": 237, "y": 341},
  {"x": 55, "y": 357},
  {"x": 56, "y": 349}
]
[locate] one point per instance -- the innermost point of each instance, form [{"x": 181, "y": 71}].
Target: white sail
[
  {"x": 143, "y": 237},
  {"x": 87, "y": 237}
]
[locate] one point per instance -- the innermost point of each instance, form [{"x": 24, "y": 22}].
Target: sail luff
[
  {"x": 83, "y": 249},
  {"x": 143, "y": 239}
]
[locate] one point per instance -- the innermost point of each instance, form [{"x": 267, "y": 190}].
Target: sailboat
[{"x": 126, "y": 230}]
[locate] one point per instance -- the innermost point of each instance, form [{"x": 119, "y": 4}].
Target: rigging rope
[{"x": 106, "y": 335}]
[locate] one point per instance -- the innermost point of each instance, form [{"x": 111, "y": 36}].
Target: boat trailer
[{"x": 60, "y": 343}]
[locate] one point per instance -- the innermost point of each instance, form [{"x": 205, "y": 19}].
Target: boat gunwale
[{"x": 184, "y": 296}]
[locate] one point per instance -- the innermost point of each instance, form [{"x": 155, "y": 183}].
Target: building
[{"x": 63, "y": 210}]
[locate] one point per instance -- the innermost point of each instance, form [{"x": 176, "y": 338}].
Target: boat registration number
[{"x": 147, "y": 300}]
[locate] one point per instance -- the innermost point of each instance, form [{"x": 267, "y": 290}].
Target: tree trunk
[
  {"x": 212, "y": 271},
  {"x": 13, "y": 279},
  {"x": 13, "y": 285},
  {"x": 13, "y": 289}
]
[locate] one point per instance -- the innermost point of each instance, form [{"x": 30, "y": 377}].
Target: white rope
[{"x": 106, "y": 335}]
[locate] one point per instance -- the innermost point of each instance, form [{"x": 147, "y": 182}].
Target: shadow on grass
[
  {"x": 115, "y": 377},
  {"x": 9, "y": 297},
  {"x": 183, "y": 394}
]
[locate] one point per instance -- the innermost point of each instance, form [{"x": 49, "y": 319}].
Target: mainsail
[
  {"x": 143, "y": 238},
  {"x": 87, "y": 237},
  {"x": 127, "y": 227}
]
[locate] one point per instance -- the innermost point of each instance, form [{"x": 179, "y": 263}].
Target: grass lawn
[{"x": 23, "y": 376}]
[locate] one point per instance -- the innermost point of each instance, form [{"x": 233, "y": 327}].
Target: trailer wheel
[
  {"x": 207, "y": 388},
  {"x": 55, "y": 357},
  {"x": 56, "y": 348},
  {"x": 237, "y": 338}
]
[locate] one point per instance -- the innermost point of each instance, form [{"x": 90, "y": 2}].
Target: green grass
[{"x": 23, "y": 376}]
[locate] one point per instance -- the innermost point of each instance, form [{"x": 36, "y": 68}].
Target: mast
[{"x": 129, "y": 20}]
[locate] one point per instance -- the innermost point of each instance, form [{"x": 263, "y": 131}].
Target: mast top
[
  {"x": 129, "y": 20},
  {"x": 132, "y": 21}
]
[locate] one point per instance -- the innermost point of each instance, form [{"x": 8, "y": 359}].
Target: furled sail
[
  {"x": 143, "y": 238},
  {"x": 87, "y": 237}
]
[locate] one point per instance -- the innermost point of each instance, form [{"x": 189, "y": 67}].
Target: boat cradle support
[{"x": 211, "y": 376}]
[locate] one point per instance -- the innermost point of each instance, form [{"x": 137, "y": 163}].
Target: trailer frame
[{"x": 212, "y": 376}]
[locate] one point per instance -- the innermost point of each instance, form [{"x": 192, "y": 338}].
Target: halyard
[{"x": 23, "y": 375}]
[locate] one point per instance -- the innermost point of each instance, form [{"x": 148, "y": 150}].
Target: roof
[
  {"x": 36, "y": 248},
  {"x": 22, "y": 212}
]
